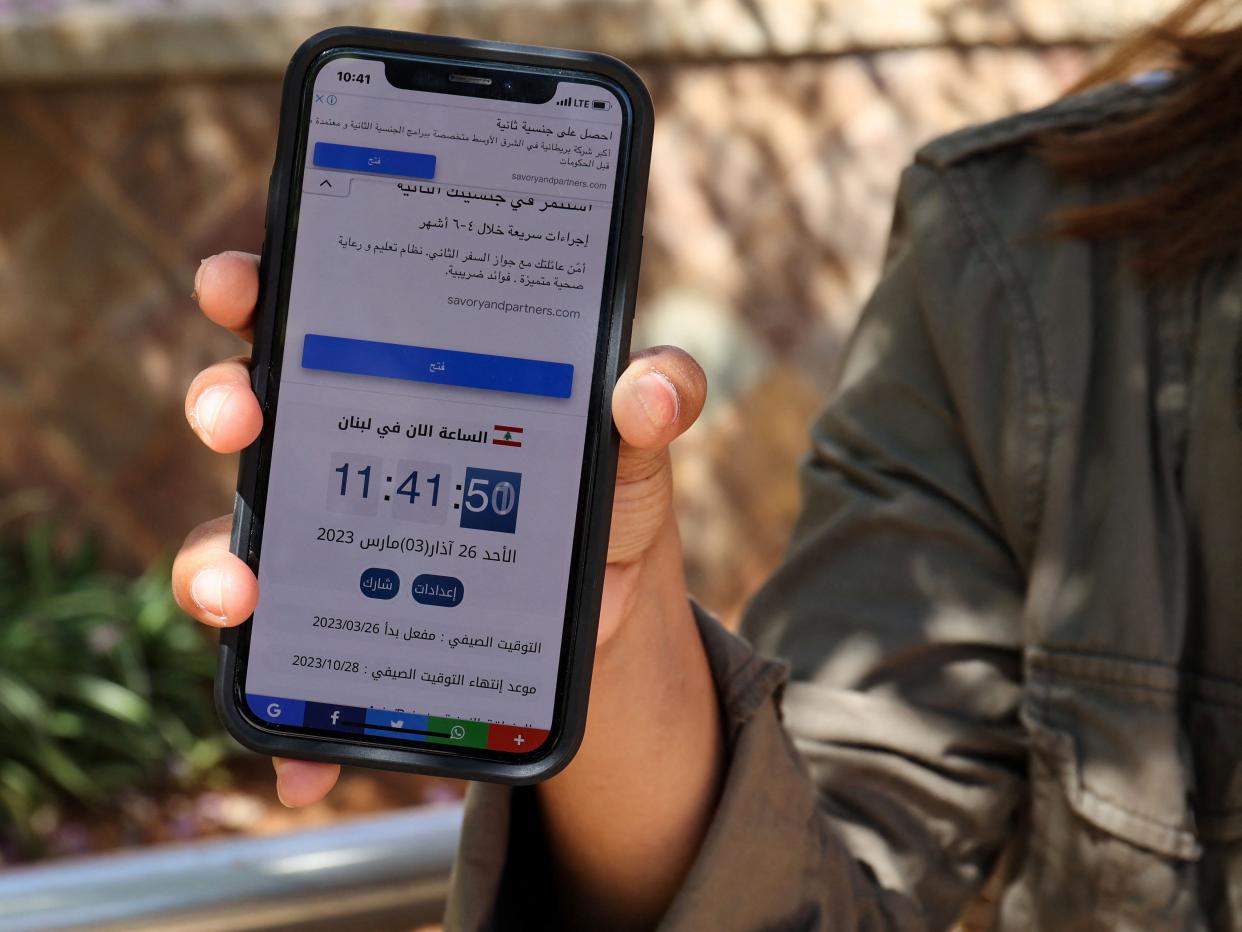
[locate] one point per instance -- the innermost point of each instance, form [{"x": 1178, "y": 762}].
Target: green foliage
[{"x": 105, "y": 686}]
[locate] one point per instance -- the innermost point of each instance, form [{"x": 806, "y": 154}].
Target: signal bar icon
[{"x": 584, "y": 103}]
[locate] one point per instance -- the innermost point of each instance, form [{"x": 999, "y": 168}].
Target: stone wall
[
  {"x": 138, "y": 137},
  {"x": 59, "y": 39}
]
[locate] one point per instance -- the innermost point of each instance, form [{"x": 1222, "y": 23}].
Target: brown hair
[{"x": 1192, "y": 136}]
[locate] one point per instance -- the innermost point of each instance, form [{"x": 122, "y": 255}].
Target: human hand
[{"x": 658, "y": 397}]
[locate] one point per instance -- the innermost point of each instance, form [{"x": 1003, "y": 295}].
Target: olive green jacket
[{"x": 1011, "y": 612}]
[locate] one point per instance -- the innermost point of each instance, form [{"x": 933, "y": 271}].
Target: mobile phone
[{"x": 447, "y": 287}]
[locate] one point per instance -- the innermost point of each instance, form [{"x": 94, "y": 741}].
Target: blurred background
[{"x": 137, "y": 136}]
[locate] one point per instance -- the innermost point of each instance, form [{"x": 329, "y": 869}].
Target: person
[{"x": 1009, "y": 611}]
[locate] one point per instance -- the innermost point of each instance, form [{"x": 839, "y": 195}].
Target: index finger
[{"x": 227, "y": 287}]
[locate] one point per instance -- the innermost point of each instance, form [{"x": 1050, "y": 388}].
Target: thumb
[{"x": 656, "y": 399}]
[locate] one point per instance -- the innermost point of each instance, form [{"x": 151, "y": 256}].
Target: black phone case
[{"x": 579, "y": 648}]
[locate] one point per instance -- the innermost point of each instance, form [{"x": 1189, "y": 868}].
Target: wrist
[{"x": 652, "y": 753}]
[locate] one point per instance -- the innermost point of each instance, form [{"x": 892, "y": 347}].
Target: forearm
[{"x": 626, "y": 818}]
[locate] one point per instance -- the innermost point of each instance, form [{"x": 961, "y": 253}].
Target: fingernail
[
  {"x": 198, "y": 276},
  {"x": 207, "y": 591},
  {"x": 658, "y": 396},
  {"x": 207, "y": 408},
  {"x": 278, "y": 766}
]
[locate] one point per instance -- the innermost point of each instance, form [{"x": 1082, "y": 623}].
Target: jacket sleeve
[{"x": 876, "y": 787}]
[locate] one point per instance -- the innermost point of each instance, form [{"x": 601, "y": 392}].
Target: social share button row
[{"x": 406, "y": 726}]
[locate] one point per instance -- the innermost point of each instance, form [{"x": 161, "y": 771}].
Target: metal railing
[{"x": 383, "y": 872}]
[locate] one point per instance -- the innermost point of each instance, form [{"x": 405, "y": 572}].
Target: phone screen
[{"x": 443, "y": 325}]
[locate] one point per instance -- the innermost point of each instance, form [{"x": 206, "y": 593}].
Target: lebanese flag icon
[{"x": 504, "y": 436}]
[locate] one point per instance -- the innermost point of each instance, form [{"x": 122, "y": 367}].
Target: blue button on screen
[
  {"x": 445, "y": 591},
  {"x": 438, "y": 366},
  {"x": 327, "y": 717},
  {"x": 379, "y": 583},
  {"x": 276, "y": 710},
  {"x": 374, "y": 161},
  {"x": 384, "y": 724}
]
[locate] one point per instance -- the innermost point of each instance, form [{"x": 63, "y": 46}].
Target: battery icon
[{"x": 601, "y": 105}]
